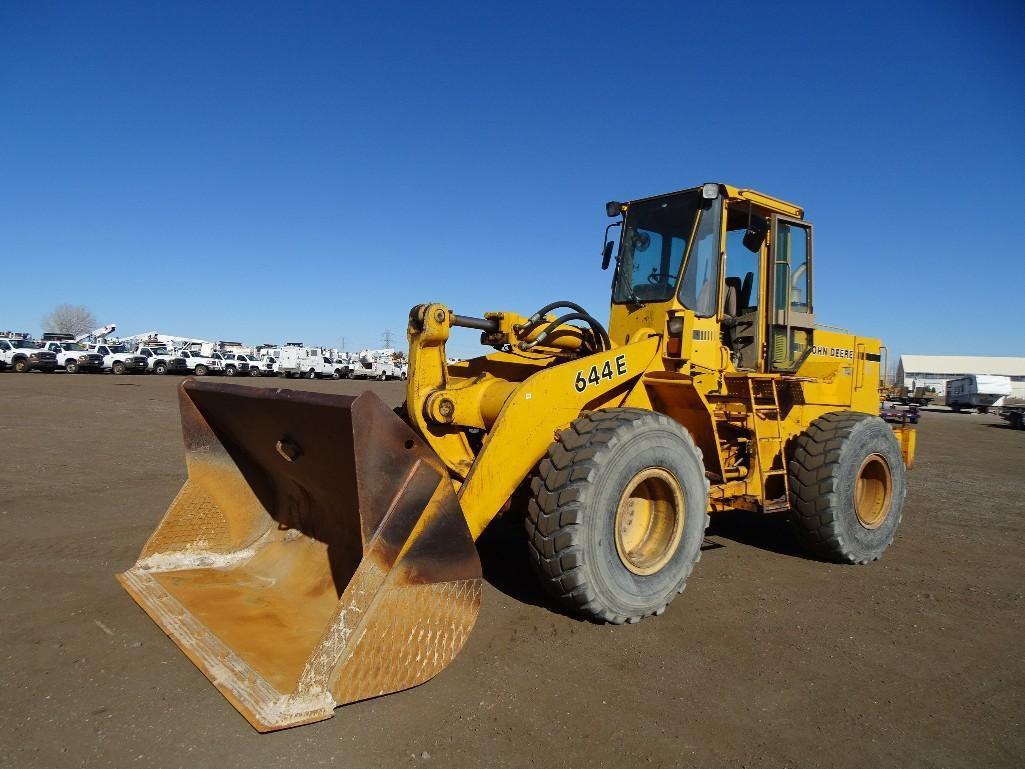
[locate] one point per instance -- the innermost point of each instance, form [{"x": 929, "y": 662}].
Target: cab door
[{"x": 791, "y": 318}]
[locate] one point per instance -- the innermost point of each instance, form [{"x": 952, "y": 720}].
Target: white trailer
[{"x": 977, "y": 391}]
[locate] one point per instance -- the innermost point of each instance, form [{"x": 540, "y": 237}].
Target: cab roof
[{"x": 740, "y": 193}]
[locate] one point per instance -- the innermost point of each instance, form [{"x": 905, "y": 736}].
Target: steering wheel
[{"x": 656, "y": 278}]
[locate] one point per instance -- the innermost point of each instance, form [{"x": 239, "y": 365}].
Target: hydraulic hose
[
  {"x": 596, "y": 328},
  {"x": 580, "y": 313}
]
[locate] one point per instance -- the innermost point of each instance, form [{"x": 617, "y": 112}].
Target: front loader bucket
[{"x": 316, "y": 555}]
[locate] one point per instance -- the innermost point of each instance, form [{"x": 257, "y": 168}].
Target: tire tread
[{"x": 554, "y": 514}]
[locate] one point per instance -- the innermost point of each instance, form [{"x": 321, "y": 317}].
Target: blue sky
[{"x": 309, "y": 171}]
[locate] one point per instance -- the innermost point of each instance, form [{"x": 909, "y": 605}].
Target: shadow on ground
[
  {"x": 766, "y": 532},
  {"x": 503, "y": 556}
]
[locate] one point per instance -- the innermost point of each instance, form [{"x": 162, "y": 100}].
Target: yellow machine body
[{"x": 321, "y": 551}]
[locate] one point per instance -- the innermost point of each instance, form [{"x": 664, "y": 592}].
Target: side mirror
[
  {"x": 755, "y": 234},
  {"x": 606, "y": 255},
  {"x": 613, "y": 208}
]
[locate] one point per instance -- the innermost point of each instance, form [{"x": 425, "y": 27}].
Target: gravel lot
[{"x": 768, "y": 659}]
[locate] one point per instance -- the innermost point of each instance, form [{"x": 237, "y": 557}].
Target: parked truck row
[{"x": 59, "y": 352}]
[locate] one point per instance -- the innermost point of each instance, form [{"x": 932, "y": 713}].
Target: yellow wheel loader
[{"x": 322, "y": 549}]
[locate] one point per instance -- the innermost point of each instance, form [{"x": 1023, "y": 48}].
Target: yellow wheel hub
[
  {"x": 873, "y": 491},
  {"x": 649, "y": 521}
]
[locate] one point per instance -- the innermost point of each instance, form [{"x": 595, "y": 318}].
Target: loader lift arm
[{"x": 521, "y": 399}]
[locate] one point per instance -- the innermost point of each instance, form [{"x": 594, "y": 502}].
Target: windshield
[
  {"x": 159, "y": 351},
  {"x": 652, "y": 246},
  {"x": 73, "y": 346},
  {"x": 23, "y": 344},
  {"x": 118, "y": 348}
]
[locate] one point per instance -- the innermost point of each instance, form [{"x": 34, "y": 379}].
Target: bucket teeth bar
[{"x": 316, "y": 555}]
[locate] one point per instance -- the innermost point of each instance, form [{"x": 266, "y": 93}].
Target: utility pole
[{"x": 386, "y": 338}]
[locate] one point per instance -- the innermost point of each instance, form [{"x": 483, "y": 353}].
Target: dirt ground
[{"x": 768, "y": 659}]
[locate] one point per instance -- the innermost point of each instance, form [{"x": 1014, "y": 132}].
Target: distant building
[{"x": 934, "y": 370}]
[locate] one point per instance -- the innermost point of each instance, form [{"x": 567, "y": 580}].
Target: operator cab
[{"x": 716, "y": 264}]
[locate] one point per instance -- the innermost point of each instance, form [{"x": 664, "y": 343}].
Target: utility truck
[
  {"x": 257, "y": 366},
  {"x": 377, "y": 364},
  {"x": 74, "y": 357},
  {"x": 977, "y": 391},
  {"x": 161, "y": 360},
  {"x": 309, "y": 362},
  {"x": 231, "y": 363},
  {"x": 117, "y": 358},
  {"x": 23, "y": 355},
  {"x": 199, "y": 364}
]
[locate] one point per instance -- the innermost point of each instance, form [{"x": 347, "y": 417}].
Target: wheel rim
[
  {"x": 873, "y": 491},
  {"x": 649, "y": 521}
]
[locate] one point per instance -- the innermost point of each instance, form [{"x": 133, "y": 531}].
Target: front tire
[
  {"x": 71, "y": 367},
  {"x": 118, "y": 367},
  {"x": 847, "y": 487},
  {"x": 160, "y": 368},
  {"x": 201, "y": 370},
  {"x": 618, "y": 514},
  {"x": 21, "y": 366}
]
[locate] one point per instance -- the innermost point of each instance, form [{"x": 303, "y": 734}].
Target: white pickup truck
[
  {"x": 74, "y": 357},
  {"x": 119, "y": 359},
  {"x": 200, "y": 364},
  {"x": 232, "y": 364},
  {"x": 160, "y": 360},
  {"x": 23, "y": 356},
  {"x": 259, "y": 366}
]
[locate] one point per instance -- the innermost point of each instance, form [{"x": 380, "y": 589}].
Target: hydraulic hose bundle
[{"x": 596, "y": 341}]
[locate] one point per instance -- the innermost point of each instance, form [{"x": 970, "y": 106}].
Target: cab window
[
  {"x": 793, "y": 278},
  {"x": 742, "y": 264}
]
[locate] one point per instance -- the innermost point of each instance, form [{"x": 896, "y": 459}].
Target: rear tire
[
  {"x": 311, "y": 374},
  {"x": 230, "y": 371},
  {"x": 847, "y": 487},
  {"x": 618, "y": 514}
]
